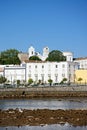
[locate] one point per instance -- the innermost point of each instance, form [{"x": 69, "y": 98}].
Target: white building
[
  {"x": 68, "y": 55},
  {"x": 31, "y": 52},
  {"x": 39, "y": 70},
  {"x": 82, "y": 62},
  {"x": 14, "y": 73},
  {"x": 56, "y": 71},
  {"x": 43, "y": 56},
  {"x": 2, "y": 69},
  {"x": 42, "y": 70}
]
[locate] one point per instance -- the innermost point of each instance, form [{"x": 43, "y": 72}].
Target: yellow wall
[{"x": 81, "y": 74}]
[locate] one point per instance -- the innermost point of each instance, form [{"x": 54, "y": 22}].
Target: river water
[{"x": 67, "y": 103}]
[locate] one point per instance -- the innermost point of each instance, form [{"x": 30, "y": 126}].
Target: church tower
[
  {"x": 31, "y": 51},
  {"x": 45, "y": 52}
]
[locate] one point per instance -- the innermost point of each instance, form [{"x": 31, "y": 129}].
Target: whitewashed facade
[
  {"x": 14, "y": 73},
  {"x": 82, "y": 62},
  {"x": 2, "y": 69},
  {"x": 56, "y": 71},
  {"x": 43, "y": 71}
]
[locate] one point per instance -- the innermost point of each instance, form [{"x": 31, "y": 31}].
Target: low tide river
[{"x": 66, "y": 103}]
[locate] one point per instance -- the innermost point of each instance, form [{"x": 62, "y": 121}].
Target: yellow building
[{"x": 81, "y": 76}]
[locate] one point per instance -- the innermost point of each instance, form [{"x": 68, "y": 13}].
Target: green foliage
[
  {"x": 18, "y": 82},
  {"x": 35, "y": 58},
  {"x": 50, "y": 81},
  {"x": 9, "y": 57},
  {"x": 39, "y": 81},
  {"x": 2, "y": 79},
  {"x": 56, "y": 55},
  {"x": 30, "y": 81},
  {"x": 80, "y": 79},
  {"x": 63, "y": 81}
]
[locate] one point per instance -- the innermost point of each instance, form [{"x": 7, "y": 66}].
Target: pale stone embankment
[{"x": 42, "y": 92}]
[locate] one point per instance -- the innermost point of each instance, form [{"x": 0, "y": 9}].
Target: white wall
[
  {"x": 14, "y": 73},
  {"x": 42, "y": 71},
  {"x": 68, "y": 55},
  {"x": 82, "y": 63},
  {"x": 54, "y": 70}
]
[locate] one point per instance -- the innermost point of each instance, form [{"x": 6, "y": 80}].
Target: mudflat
[{"x": 19, "y": 117}]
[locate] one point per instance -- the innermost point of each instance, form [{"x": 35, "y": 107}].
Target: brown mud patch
[{"x": 19, "y": 117}]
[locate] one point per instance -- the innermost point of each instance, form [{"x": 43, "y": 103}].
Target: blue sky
[{"x": 58, "y": 24}]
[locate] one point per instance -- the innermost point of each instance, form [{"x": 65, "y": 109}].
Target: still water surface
[
  {"x": 68, "y": 103},
  {"x": 46, "y": 127}
]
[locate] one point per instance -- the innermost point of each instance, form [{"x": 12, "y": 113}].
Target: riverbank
[
  {"x": 44, "y": 92},
  {"x": 19, "y": 117}
]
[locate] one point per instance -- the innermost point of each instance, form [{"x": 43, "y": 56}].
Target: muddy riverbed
[{"x": 40, "y": 117}]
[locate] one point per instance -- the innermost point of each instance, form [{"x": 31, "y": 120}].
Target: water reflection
[
  {"x": 46, "y": 127},
  {"x": 70, "y": 103}
]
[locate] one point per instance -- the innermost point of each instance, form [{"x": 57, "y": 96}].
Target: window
[
  {"x": 42, "y": 76},
  {"x": 29, "y": 68},
  {"x": 49, "y": 76},
  {"x": 35, "y": 66},
  {"x": 42, "y": 66},
  {"x": 69, "y": 65},
  {"x": 78, "y": 66},
  {"x": 63, "y": 75},
  {"x": 56, "y": 66},
  {"x": 56, "y": 78},
  {"x": 36, "y": 77},
  {"x": 63, "y": 66}
]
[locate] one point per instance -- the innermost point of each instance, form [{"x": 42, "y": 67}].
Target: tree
[
  {"x": 30, "y": 81},
  {"x": 50, "y": 81},
  {"x": 9, "y": 57},
  {"x": 18, "y": 82},
  {"x": 35, "y": 58},
  {"x": 56, "y": 55},
  {"x": 39, "y": 81},
  {"x": 2, "y": 79},
  {"x": 80, "y": 79},
  {"x": 63, "y": 81}
]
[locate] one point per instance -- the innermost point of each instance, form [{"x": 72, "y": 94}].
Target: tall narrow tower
[
  {"x": 31, "y": 51},
  {"x": 45, "y": 52}
]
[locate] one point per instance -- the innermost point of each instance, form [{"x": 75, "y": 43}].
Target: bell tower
[
  {"x": 45, "y": 52},
  {"x": 31, "y": 51}
]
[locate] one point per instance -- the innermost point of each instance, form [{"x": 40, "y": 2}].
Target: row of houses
[{"x": 42, "y": 71}]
